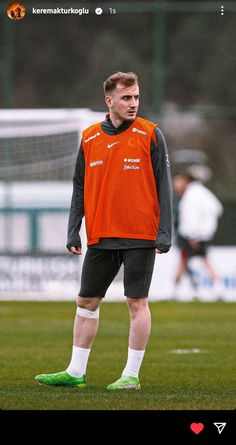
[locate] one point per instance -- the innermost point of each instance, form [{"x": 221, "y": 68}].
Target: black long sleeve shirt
[{"x": 161, "y": 170}]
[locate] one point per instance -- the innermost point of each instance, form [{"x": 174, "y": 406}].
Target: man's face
[
  {"x": 123, "y": 102},
  {"x": 179, "y": 184}
]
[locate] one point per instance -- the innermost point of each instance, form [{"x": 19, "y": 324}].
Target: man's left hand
[{"x": 162, "y": 250}]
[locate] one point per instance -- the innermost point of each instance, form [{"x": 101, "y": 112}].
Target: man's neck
[{"x": 116, "y": 121}]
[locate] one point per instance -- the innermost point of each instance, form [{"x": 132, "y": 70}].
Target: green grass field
[{"x": 36, "y": 338}]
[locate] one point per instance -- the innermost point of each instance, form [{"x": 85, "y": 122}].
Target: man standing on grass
[{"x": 122, "y": 184}]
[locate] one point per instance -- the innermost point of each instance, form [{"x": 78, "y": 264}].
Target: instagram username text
[{"x": 60, "y": 11}]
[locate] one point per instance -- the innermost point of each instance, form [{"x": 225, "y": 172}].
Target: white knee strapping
[{"x": 87, "y": 313}]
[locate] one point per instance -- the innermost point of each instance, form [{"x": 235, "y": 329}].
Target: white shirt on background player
[{"x": 199, "y": 211}]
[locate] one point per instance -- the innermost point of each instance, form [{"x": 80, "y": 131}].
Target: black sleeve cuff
[
  {"x": 163, "y": 248},
  {"x": 73, "y": 244}
]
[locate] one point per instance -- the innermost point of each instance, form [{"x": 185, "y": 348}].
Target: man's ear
[{"x": 109, "y": 101}]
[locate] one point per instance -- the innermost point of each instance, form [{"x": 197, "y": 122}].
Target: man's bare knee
[
  {"x": 137, "y": 305},
  {"x": 88, "y": 303}
]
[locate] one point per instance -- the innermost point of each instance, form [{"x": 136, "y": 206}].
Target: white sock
[
  {"x": 78, "y": 363},
  {"x": 134, "y": 362}
]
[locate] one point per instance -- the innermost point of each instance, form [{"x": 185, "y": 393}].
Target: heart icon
[{"x": 197, "y": 427}]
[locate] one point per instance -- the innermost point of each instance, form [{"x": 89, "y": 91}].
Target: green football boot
[
  {"x": 126, "y": 383},
  {"x": 61, "y": 379}
]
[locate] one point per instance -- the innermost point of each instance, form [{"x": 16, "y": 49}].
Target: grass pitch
[{"x": 189, "y": 363}]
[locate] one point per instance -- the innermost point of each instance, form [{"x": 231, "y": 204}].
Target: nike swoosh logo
[{"x": 110, "y": 145}]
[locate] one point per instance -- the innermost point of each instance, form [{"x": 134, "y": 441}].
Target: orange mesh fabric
[{"x": 120, "y": 196}]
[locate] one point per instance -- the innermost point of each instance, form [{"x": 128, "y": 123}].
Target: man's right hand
[
  {"x": 194, "y": 243},
  {"x": 75, "y": 250}
]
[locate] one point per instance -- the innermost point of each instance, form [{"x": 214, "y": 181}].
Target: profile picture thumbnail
[{"x": 16, "y": 11}]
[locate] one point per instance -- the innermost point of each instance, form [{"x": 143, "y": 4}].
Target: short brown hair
[{"x": 126, "y": 79}]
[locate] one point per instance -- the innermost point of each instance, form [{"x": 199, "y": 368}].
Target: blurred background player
[
  {"x": 197, "y": 211},
  {"x": 122, "y": 185}
]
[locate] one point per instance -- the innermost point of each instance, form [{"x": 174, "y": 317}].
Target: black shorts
[
  {"x": 102, "y": 265},
  {"x": 188, "y": 251}
]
